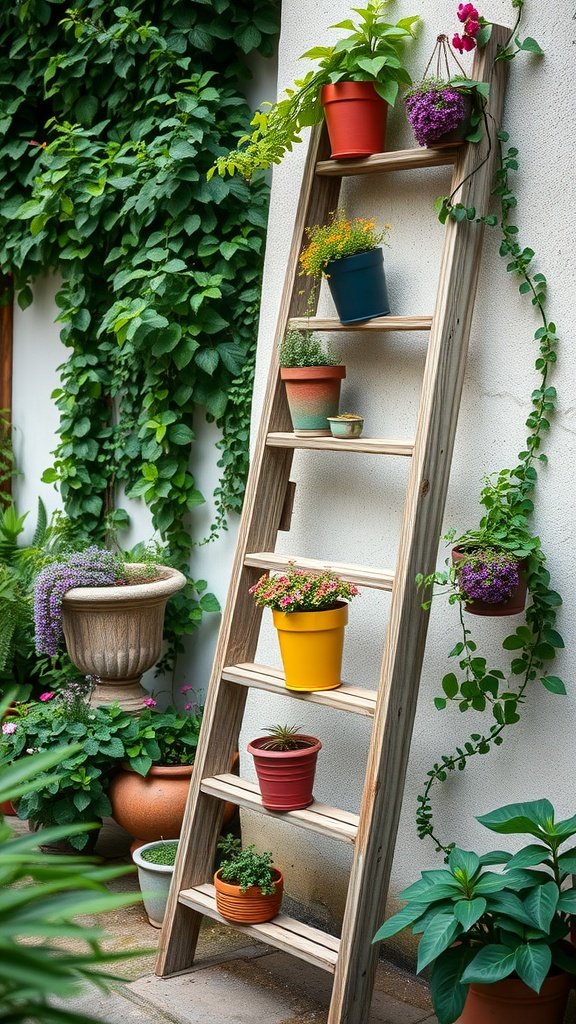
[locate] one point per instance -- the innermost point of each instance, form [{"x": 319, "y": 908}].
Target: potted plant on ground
[
  {"x": 346, "y": 425},
  {"x": 497, "y": 940},
  {"x": 110, "y": 613},
  {"x": 312, "y": 379},
  {"x": 248, "y": 888},
  {"x": 155, "y": 864},
  {"x": 285, "y": 763},
  {"x": 347, "y": 253},
  {"x": 79, "y": 791},
  {"x": 310, "y": 612},
  {"x": 361, "y": 73}
]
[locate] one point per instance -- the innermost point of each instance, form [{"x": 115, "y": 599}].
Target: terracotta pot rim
[
  {"x": 312, "y": 372},
  {"x": 172, "y": 580},
  {"x": 335, "y": 92},
  {"x": 234, "y": 890},
  {"x": 158, "y": 770},
  {"x": 284, "y": 755}
]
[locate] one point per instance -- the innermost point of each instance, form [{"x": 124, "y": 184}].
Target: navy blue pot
[{"x": 358, "y": 286}]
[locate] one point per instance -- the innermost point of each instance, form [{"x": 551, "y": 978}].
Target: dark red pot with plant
[
  {"x": 512, "y": 1002},
  {"x": 356, "y": 119},
  {"x": 286, "y": 777},
  {"x": 512, "y": 605}
]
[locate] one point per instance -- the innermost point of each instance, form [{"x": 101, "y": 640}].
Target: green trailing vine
[
  {"x": 508, "y": 505},
  {"x": 110, "y": 118}
]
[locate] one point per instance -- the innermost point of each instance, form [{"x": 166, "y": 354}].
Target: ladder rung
[
  {"x": 370, "y": 445},
  {"x": 283, "y": 932},
  {"x": 400, "y": 160},
  {"x": 328, "y": 821},
  {"x": 263, "y": 677},
  {"x": 378, "y": 323},
  {"x": 362, "y": 575}
]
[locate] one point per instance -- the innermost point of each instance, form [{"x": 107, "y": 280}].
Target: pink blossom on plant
[
  {"x": 188, "y": 707},
  {"x": 149, "y": 702},
  {"x": 463, "y": 43},
  {"x": 186, "y": 688},
  {"x": 8, "y": 728},
  {"x": 46, "y": 696},
  {"x": 472, "y": 27},
  {"x": 466, "y": 11}
]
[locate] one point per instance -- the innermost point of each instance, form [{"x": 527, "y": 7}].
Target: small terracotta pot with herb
[{"x": 248, "y": 888}]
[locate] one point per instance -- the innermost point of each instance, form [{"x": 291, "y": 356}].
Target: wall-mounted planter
[
  {"x": 513, "y": 605},
  {"x": 313, "y": 394},
  {"x": 358, "y": 286},
  {"x": 356, "y": 119}
]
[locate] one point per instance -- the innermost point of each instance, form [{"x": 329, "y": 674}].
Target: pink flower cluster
[
  {"x": 468, "y": 15},
  {"x": 299, "y": 591}
]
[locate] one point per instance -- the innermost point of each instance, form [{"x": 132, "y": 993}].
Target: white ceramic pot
[{"x": 154, "y": 881}]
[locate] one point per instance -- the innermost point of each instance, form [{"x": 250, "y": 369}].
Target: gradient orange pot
[
  {"x": 311, "y": 646},
  {"x": 249, "y": 907},
  {"x": 313, "y": 394},
  {"x": 356, "y": 119}
]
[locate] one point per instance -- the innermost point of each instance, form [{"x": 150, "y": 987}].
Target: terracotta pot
[
  {"x": 356, "y": 119},
  {"x": 151, "y": 807},
  {"x": 249, "y": 907},
  {"x": 511, "y": 1002},
  {"x": 311, "y": 646},
  {"x": 286, "y": 777},
  {"x": 7, "y": 809},
  {"x": 313, "y": 394},
  {"x": 115, "y": 633},
  {"x": 513, "y": 605}
]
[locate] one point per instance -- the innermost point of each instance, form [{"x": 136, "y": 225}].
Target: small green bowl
[{"x": 345, "y": 429}]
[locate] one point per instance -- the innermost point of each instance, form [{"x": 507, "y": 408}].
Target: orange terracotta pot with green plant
[
  {"x": 312, "y": 378},
  {"x": 310, "y": 611},
  {"x": 248, "y": 888}
]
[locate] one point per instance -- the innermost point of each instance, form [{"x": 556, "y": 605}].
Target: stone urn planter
[{"x": 114, "y": 633}]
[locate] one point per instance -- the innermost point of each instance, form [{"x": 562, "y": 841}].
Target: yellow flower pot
[{"x": 311, "y": 645}]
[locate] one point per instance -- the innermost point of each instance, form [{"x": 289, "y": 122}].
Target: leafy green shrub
[
  {"x": 246, "y": 867},
  {"x": 303, "y": 348}
]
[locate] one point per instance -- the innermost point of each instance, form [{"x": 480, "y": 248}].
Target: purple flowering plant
[
  {"x": 300, "y": 591},
  {"x": 487, "y": 574},
  {"x": 434, "y": 108}
]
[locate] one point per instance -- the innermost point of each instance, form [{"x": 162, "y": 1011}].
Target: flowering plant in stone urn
[
  {"x": 110, "y": 614},
  {"x": 346, "y": 251},
  {"x": 310, "y": 611}
]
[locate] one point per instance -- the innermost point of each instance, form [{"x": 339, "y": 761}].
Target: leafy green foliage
[
  {"x": 39, "y": 899},
  {"x": 478, "y": 925},
  {"x": 167, "y": 737},
  {"x": 507, "y": 499},
  {"x": 110, "y": 120},
  {"x": 371, "y": 52},
  {"x": 303, "y": 348},
  {"x": 246, "y": 867}
]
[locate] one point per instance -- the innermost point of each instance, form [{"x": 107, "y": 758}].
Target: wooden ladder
[{"x": 267, "y": 506}]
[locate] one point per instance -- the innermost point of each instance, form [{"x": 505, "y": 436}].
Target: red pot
[
  {"x": 512, "y": 1002},
  {"x": 356, "y": 119},
  {"x": 249, "y": 907},
  {"x": 6, "y": 808},
  {"x": 286, "y": 777},
  {"x": 513, "y": 605}
]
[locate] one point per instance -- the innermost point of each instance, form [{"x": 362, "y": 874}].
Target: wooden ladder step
[
  {"x": 370, "y": 445},
  {"x": 399, "y": 160},
  {"x": 378, "y": 323},
  {"x": 362, "y": 575},
  {"x": 328, "y": 821},
  {"x": 283, "y": 932},
  {"x": 263, "y": 677}
]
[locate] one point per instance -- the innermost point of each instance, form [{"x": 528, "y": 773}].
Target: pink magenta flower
[
  {"x": 463, "y": 43},
  {"x": 188, "y": 707},
  {"x": 8, "y": 728},
  {"x": 46, "y": 696},
  {"x": 466, "y": 11},
  {"x": 149, "y": 702},
  {"x": 472, "y": 28},
  {"x": 186, "y": 688}
]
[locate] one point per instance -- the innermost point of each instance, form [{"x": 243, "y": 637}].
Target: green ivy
[{"x": 110, "y": 118}]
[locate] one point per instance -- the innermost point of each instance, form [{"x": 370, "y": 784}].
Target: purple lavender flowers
[
  {"x": 95, "y": 567},
  {"x": 433, "y": 109},
  {"x": 488, "y": 575}
]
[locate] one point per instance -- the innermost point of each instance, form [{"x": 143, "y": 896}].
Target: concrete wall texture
[{"x": 348, "y": 508}]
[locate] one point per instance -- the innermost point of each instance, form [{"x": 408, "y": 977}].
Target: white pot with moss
[{"x": 155, "y": 863}]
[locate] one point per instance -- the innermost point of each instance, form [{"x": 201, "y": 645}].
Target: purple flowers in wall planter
[
  {"x": 435, "y": 110},
  {"x": 491, "y": 581}
]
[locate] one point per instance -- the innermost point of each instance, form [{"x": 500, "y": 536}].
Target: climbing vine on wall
[{"x": 110, "y": 117}]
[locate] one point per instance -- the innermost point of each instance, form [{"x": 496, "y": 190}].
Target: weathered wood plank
[
  {"x": 422, "y": 521},
  {"x": 362, "y": 575},
  {"x": 377, "y": 324},
  {"x": 263, "y": 677},
  {"x": 369, "y": 445},
  {"x": 397, "y": 160}
]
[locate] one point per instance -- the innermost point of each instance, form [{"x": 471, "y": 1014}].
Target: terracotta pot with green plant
[
  {"x": 285, "y": 763},
  {"x": 312, "y": 379},
  {"x": 346, "y": 251},
  {"x": 310, "y": 612},
  {"x": 356, "y": 81},
  {"x": 110, "y": 613},
  {"x": 155, "y": 864},
  {"x": 497, "y": 941},
  {"x": 248, "y": 888}
]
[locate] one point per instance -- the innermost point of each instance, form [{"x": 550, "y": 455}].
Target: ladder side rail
[
  {"x": 422, "y": 522},
  {"x": 238, "y": 637}
]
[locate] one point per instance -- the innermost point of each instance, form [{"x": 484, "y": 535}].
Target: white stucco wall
[{"x": 347, "y": 508}]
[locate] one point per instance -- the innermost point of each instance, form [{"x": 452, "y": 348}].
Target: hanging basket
[{"x": 356, "y": 119}]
